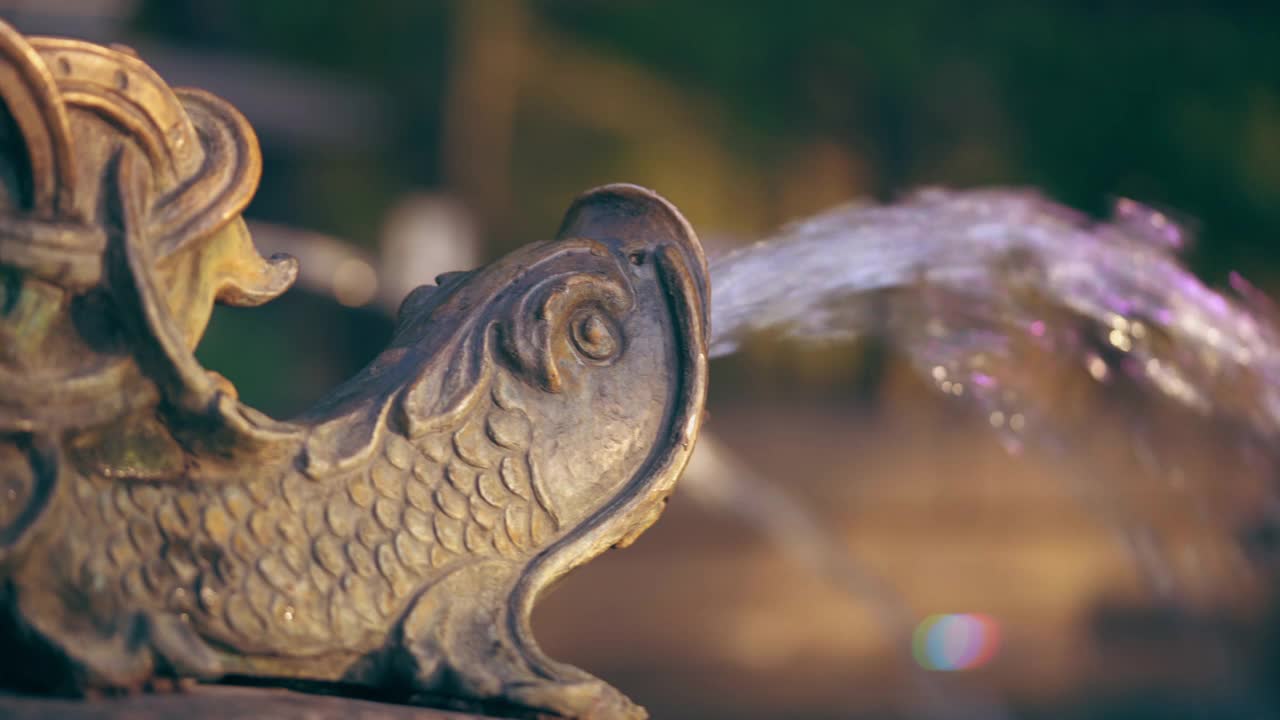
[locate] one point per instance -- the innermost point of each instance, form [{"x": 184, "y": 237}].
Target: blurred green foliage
[
  {"x": 751, "y": 114},
  {"x": 1172, "y": 103}
]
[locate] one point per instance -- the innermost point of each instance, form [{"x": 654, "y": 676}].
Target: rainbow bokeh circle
[{"x": 961, "y": 641}]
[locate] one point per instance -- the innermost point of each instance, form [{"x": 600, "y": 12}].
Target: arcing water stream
[
  {"x": 978, "y": 290},
  {"x": 1008, "y": 267}
]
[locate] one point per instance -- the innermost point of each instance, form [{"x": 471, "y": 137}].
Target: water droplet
[
  {"x": 1097, "y": 367},
  {"x": 997, "y": 419},
  {"x": 1120, "y": 340}
]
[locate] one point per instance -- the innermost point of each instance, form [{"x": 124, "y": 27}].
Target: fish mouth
[
  {"x": 646, "y": 228},
  {"x": 634, "y": 216}
]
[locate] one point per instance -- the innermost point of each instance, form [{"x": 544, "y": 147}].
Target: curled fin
[{"x": 30, "y": 96}]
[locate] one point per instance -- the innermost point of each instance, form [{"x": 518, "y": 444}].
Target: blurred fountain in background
[
  {"x": 983, "y": 291},
  {"x": 1020, "y": 308}
]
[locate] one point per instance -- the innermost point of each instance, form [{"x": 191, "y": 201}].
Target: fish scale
[{"x": 289, "y": 565}]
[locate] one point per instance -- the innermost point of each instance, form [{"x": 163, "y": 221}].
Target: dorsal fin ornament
[{"x": 165, "y": 176}]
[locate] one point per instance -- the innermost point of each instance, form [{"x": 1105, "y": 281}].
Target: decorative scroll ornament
[{"x": 526, "y": 417}]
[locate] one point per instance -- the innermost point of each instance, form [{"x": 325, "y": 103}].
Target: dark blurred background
[{"x": 460, "y": 130}]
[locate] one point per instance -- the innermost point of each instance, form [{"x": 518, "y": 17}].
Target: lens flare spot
[{"x": 954, "y": 642}]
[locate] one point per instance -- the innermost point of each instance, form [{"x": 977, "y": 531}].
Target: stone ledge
[{"x": 210, "y": 701}]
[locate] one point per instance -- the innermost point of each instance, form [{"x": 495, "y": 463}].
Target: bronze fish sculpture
[{"x": 527, "y": 416}]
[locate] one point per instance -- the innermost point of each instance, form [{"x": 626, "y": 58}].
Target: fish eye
[{"x": 595, "y": 336}]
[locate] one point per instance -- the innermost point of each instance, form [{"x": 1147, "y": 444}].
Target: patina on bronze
[{"x": 527, "y": 416}]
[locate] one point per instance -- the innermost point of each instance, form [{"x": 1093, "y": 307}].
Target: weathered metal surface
[{"x": 527, "y": 416}]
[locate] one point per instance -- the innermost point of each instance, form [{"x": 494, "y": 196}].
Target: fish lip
[{"x": 683, "y": 274}]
